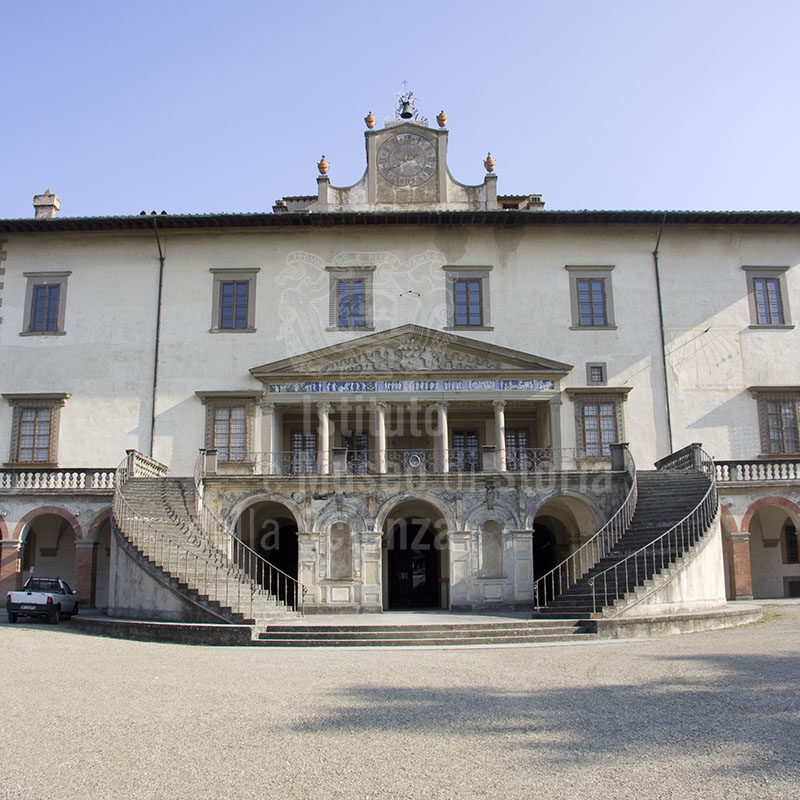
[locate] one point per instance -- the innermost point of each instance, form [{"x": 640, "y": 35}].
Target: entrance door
[{"x": 413, "y": 566}]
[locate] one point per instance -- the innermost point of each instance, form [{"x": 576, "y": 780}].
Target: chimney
[{"x": 46, "y": 205}]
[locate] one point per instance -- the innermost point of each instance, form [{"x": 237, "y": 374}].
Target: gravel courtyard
[{"x": 710, "y": 715}]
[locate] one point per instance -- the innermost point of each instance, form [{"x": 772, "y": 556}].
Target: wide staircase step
[
  {"x": 664, "y": 498},
  {"x": 424, "y": 635},
  {"x": 185, "y": 558}
]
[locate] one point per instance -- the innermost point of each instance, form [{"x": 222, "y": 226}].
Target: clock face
[{"x": 407, "y": 159}]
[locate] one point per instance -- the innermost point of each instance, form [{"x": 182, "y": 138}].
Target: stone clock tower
[{"x": 406, "y": 171}]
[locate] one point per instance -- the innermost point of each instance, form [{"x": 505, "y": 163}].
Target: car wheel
[
  {"x": 54, "y": 616},
  {"x": 12, "y": 617},
  {"x": 74, "y": 610}
]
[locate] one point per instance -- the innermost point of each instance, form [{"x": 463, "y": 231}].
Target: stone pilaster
[{"x": 742, "y": 577}]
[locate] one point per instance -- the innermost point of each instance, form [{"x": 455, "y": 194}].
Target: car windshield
[{"x": 40, "y": 585}]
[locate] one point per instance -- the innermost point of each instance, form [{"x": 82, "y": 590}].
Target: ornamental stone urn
[
  {"x": 370, "y": 120},
  {"x": 441, "y": 119},
  {"x": 489, "y": 163},
  {"x": 324, "y": 166}
]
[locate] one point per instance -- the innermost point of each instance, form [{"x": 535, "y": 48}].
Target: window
[
  {"x": 468, "y": 297},
  {"x": 351, "y": 303},
  {"x": 778, "y": 416},
  {"x": 519, "y": 457},
  {"x": 596, "y": 373},
  {"x": 464, "y": 457},
  {"x": 233, "y": 307},
  {"x": 230, "y": 419},
  {"x": 34, "y": 428},
  {"x": 230, "y": 433},
  {"x": 45, "y": 302},
  {"x": 790, "y": 545},
  {"x": 350, "y": 298},
  {"x": 590, "y": 297},
  {"x": 467, "y": 301},
  {"x": 767, "y": 296},
  {"x": 356, "y": 458},
  {"x": 304, "y": 453},
  {"x": 598, "y": 419}
]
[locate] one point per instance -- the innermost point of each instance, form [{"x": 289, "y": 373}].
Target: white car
[{"x": 42, "y": 597}]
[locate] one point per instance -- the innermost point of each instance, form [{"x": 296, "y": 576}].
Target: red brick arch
[
  {"x": 730, "y": 521},
  {"x": 56, "y": 511},
  {"x": 93, "y": 534},
  {"x": 768, "y": 501},
  {"x": 3, "y": 529}
]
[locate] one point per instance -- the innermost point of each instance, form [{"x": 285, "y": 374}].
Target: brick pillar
[
  {"x": 86, "y": 572},
  {"x": 10, "y": 567},
  {"x": 742, "y": 577}
]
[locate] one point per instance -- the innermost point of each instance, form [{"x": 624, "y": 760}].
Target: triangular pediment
[{"x": 412, "y": 350}]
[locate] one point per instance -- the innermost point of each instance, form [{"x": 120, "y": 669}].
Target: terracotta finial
[
  {"x": 441, "y": 119},
  {"x": 323, "y": 166},
  {"x": 489, "y": 163},
  {"x": 370, "y": 120}
]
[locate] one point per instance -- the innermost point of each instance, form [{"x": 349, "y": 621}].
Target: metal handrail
[
  {"x": 274, "y": 580},
  {"x": 577, "y": 564},
  {"x": 678, "y": 538}
]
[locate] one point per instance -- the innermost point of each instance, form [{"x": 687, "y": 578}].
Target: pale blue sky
[{"x": 223, "y": 107}]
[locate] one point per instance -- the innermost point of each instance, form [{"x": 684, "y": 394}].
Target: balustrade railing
[
  {"x": 657, "y": 555},
  {"x": 56, "y": 478},
  {"x": 265, "y": 575},
  {"x": 754, "y": 471},
  {"x": 577, "y": 564}
]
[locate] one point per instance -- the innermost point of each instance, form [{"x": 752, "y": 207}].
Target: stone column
[
  {"x": 500, "y": 434},
  {"x": 742, "y": 576},
  {"x": 380, "y": 436},
  {"x": 86, "y": 572},
  {"x": 554, "y": 411},
  {"x": 10, "y": 566},
  {"x": 323, "y": 438},
  {"x": 444, "y": 436},
  {"x": 267, "y": 440}
]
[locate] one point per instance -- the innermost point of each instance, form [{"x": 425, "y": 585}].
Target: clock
[{"x": 407, "y": 159}]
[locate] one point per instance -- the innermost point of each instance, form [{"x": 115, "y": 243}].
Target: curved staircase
[
  {"x": 157, "y": 520},
  {"x": 674, "y": 508}
]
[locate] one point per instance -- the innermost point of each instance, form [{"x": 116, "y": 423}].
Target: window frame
[
  {"x": 778, "y": 274},
  {"x": 336, "y": 275},
  {"x": 776, "y": 394},
  {"x": 582, "y": 399},
  {"x": 596, "y": 365},
  {"x": 577, "y": 273},
  {"x": 47, "y": 279},
  {"x": 455, "y": 274},
  {"x": 21, "y": 403},
  {"x": 214, "y": 401},
  {"x": 224, "y": 275}
]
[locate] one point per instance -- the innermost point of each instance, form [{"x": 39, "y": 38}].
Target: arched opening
[
  {"x": 560, "y": 527},
  {"x": 416, "y": 559},
  {"x": 773, "y": 566},
  {"x": 269, "y": 530},
  {"x": 48, "y": 548}
]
